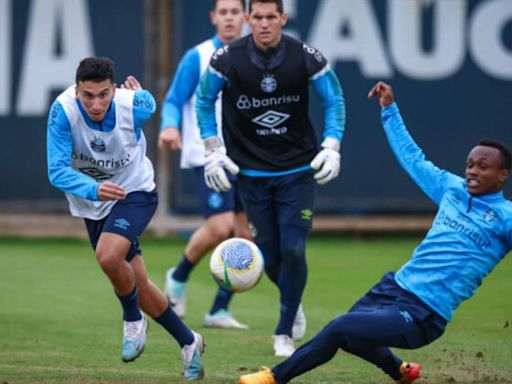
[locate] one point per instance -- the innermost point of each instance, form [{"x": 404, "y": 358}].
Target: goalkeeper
[
  {"x": 264, "y": 79},
  {"x": 471, "y": 233}
]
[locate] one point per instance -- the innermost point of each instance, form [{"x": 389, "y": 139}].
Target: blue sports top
[
  {"x": 183, "y": 86},
  {"x": 469, "y": 235},
  {"x": 60, "y": 143}
]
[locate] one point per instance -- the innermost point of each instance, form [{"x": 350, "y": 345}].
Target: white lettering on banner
[
  {"x": 348, "y": 31},
  {"x": 363, "y": 43},
  {"x": 5, "y": 56},
  {"x": 487, "y": 49},
  {"x": 405, "y": 34},
  {"x": 44, "y": 70}
]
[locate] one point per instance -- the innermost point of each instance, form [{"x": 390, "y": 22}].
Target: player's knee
[
  {"x": 293, "y": 255},
  {"x": 107, "y": 260},
  {"x": 221, "y": 232},
  {"x": 272, "y": 272}
]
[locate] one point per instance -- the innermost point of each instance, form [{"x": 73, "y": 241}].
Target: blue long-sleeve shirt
[
  {"x": 469, "y": 235},
  {"x": 183, "y": 86},
  {"x": 60, "y": 143}
]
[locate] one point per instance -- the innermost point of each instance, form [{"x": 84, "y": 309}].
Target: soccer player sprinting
[
  {"x": 264, "y": 78},
  {"x": 223, "y": 211},
  {"x": 97, "y": 156},
  {"x": 471, "y": 233}
]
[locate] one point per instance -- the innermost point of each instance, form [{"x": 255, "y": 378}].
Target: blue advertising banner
[{"x": 449, "y": 62}]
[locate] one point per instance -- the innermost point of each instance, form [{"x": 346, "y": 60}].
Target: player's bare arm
[
  {"x": 131, "y": 83},
  {"x": 111, "y": 191},
  {"x": 384, "y": 92},
  {"x": 169, "y": 137}
]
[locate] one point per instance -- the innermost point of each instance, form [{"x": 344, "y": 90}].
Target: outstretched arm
[
  {"x": 431, "y": 179},
  {"x": 383, "y": 92}
]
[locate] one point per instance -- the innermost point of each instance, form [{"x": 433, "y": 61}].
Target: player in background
[
  {"x": 97, "y": 156},
  {"x": 223, "y": 211},
  {"x": 471, "y": 233},
  {"x": 264, "y": 78}
]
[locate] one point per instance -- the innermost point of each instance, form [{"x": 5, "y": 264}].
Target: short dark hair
[
  {"x": 95, "y": 69},
  {"x": 506, "y": 155},
  {"x": 214, "y": 4},
  {"x": 278, "y": 3}
]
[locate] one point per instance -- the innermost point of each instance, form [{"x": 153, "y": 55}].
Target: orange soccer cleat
[
  {"x": 410, "y": 372},
  {"x": 264, "y": 376}
]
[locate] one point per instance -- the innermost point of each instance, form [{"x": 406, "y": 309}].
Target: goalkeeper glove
[
  {"x": 327, "y": 161},
  {"x": 215, "y": 162}
]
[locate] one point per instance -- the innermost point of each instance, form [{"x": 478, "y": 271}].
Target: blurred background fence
[{"x": 449, "y": 61}]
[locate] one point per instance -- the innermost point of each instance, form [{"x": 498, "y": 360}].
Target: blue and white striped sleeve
[
  {"x": 329, "y": 89},
  {"x": 144, "y": 105},
  {"x": 210, "y": 85},
  {"x": 59, "y": 152},
  {"x": 181, "y": 90},
  {"x": 431, "y": 179}
]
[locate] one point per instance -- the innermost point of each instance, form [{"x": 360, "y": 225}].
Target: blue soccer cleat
[
  {"x": 176, "y": 292},
  {"x": 134, "y": 339},
  {"x": 192, "y": 358},
  {"x": 223, "y": 319}
]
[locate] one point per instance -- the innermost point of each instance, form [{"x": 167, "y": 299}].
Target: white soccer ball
[{"x": 237, "y": 264}]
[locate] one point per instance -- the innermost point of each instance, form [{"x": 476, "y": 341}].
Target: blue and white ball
[{"x": 237, "y": 264}]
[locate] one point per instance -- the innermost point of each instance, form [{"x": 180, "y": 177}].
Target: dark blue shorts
[
  {"x": 213, "y": 203},
  {"x": 128, "y": 218},
  {"x": 279, "y": 200},
  {"x": 388, "y": 295}
]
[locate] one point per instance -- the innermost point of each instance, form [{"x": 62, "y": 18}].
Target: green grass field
[{"x": 61, "y": 323}]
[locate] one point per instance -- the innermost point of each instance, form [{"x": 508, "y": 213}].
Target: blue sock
[
  {"x": 287, "y": 315},
  {"x": 173, "y": 324},
  {"x": 293, "y": 275},
  {"x": 183, "y": 269},
  {"x": 130, "y": 303},
  {"x": 221, "y": 300}
]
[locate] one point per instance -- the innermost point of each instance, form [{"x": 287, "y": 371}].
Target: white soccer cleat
[
  {"x": 223, "y": 319},
  {"x": 299, "y": 324},
  {"x": 193, "y": 366},
  {"x": 176, "y": 292},
  {"x": 283, "y": 345},
  {"x": 134, "y": 339}
]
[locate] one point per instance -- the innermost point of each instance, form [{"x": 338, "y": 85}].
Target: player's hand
[
  {"x": 131, "y": 83},
  {"x": 169, "y": 138},
  {"x": 111, "y": 191},
  {"x": 327, "y": 161},
  {"x": 216, "y": 161},
  {"x": 384, "y": 92}
]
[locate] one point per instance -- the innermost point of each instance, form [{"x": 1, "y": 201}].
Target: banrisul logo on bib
[{"x": 268, "y": 84}]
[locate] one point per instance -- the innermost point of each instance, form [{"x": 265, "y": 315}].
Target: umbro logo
[{"x": 271, "y": 119}]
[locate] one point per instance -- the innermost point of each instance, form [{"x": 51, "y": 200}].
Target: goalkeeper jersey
[{"x": 265, "y": 119}]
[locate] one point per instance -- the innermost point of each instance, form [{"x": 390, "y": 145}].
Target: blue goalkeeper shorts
[{"x": 214, "y": 203}]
